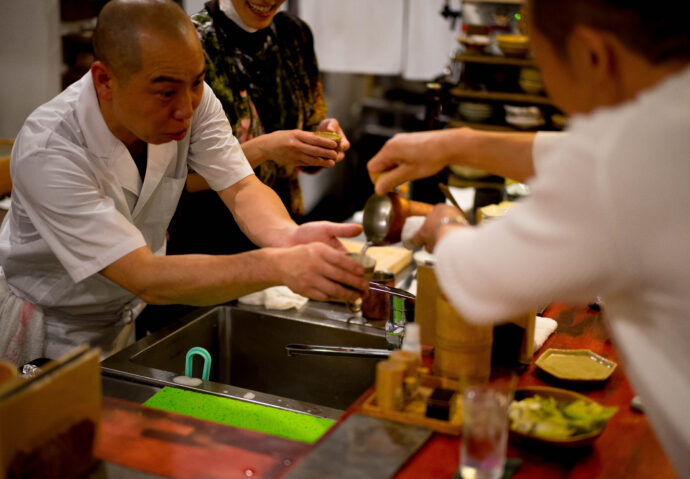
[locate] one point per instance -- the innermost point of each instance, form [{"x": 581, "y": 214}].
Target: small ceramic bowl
[
  {"x": 530, "y": 80},
  {"x": 474, "y": 44},
  {"x": 513, "y": 45},
  {"x": 475, "y": 112}
]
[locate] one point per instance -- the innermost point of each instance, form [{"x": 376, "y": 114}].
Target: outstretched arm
[{"x": 410, "y": 156}]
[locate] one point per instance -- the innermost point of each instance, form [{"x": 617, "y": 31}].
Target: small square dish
[{"x": 575, "y": 365}]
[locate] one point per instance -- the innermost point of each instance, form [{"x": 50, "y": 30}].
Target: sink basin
[{"x": 249, "y": 360}]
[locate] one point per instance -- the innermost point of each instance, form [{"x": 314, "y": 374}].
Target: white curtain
[{"x": 381, "y": 37}]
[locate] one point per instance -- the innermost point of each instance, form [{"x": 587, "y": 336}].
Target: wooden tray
[{"x": 371, "y": 408}]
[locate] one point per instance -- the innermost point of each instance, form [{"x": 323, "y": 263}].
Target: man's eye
[{"x": 168, "y": 94}]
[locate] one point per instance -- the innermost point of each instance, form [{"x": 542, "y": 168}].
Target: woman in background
[{"x": 262, "y": 66}]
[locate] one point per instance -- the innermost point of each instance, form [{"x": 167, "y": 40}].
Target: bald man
[{"x": 97, "y": 173}]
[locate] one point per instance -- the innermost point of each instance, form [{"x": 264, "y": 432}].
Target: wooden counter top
[
  {"x": 177, "y": 446},
  {"x": 626, "y": 449}
]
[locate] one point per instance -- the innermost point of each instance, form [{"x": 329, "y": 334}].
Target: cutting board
[
  {"x": 361, "y": 447},
  {"x": 388, "y": 258}
]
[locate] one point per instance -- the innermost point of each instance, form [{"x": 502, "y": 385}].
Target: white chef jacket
[
  {"x": 78, "y": 202},
  {"x": 607, "y": 216}
]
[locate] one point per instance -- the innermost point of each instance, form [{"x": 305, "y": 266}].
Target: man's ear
[
  {"x": 594, "y": 54},
  {"x": 102, "y": 80}
]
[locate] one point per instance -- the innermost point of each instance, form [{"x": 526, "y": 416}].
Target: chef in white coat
[
  {"x": 607, "y": 213},
  {"x": 97, "y": 173}
]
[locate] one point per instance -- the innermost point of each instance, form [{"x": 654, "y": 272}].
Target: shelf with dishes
[
  {"x": 501, "y": 88},
  {"x": 503, "y": 111},
  {"x": 494, "y": 59},
  {"x": 483, "y": 95}
]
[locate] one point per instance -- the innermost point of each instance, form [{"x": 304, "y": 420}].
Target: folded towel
[
  {"x": 276, "y": 297},
  {"x": 543, "y": 328},
  {"x": 411, "y": 226}
]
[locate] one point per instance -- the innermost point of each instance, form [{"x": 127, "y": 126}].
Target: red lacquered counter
[
  {"x": 178, "y": 446},
  {"x": 626, "y": 449}
]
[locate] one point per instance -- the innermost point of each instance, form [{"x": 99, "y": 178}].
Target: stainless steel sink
[{"x": 249, "y": 360}]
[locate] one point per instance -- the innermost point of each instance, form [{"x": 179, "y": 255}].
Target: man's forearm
[
  {"x": 255, "y": 150},
  {"x": 504, "y": 154},
  {"x": 193, "y": 279},
  {"x": 259, "y": 212}
]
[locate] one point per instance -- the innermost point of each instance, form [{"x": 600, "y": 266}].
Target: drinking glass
[{"x": 485, "y": 431}]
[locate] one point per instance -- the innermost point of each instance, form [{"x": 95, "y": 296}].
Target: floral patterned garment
[{"x": 267, "y": 81}]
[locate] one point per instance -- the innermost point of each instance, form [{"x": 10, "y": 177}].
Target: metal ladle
[{"x": 384, "y": 216}]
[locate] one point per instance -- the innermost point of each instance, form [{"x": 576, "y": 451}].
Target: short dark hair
[
  {"x": 119, "y": 23},
  {"x": 658, "y": 31}
]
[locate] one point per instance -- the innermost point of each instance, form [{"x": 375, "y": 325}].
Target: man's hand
[
  {"x": 405, "y": 157},
  {"x": 442, "y": 219},
  {"x": 320, "y": 272},
  {"x": 323, "y": 232},
  {"x": 298, "y": 148},
  {"x": 332, "y": 125}
]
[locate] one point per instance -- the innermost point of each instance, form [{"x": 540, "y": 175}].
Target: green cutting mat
[{"x": 265, "y": 419}]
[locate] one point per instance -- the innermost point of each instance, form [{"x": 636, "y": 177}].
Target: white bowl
[
  {"x": 523, "y": 111},
  {"x": 524, "y": 123}
]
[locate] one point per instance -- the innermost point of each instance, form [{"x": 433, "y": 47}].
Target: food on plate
[{"x": 549, "y": 418}]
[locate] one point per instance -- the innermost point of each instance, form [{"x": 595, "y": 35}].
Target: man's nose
[{"x": 184, "y": 107}]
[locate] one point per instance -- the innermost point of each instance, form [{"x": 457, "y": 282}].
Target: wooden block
[
  {"x": 388, "y": 258},
  {"x": 50, "y": 423}
]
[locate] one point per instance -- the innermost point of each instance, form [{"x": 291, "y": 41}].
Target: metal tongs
[{"x": 352, "y": 352}]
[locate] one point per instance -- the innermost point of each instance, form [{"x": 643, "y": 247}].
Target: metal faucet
[{"x": 401, "y": 312}]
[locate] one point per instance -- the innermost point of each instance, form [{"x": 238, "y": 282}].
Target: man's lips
[{"x": 179, "y": 134}]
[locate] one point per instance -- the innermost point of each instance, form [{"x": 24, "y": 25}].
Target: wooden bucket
[
  {"x": 462, "y": 350},
  {"x": 425, "y": 304}
]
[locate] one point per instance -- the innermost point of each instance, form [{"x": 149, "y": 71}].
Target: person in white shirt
[
  {"x": 97, "y": 173},
  {"x": 607, "y": 214}
]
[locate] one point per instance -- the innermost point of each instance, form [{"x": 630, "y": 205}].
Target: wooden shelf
[
  {"x": 480, "y": 126},
  {"x": 495, "y": 60},
  {"x": 500, "y": 96}
]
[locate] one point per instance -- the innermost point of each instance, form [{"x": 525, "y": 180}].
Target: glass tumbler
[{"x": 485, "y": 432}]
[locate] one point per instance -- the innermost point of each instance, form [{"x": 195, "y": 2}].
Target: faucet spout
[{"x": 401, "y": 311}]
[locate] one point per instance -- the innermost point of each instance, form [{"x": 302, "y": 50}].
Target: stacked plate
[
  {"x": 475, "y": 112},
  {"x": 524, "y": 117},
  {"x": 474, "y": 44},
  {"x": 530, "y": 80}
]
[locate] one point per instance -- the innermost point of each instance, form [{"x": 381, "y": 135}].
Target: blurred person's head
[
  {"x": 602, "y": 52},
  {"x": 148, "y": 71}
]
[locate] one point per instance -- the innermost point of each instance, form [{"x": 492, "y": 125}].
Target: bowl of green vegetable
[{"x": 556, "y": 417}]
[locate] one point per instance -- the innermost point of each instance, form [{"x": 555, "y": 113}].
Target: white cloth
[
  {"x": 410, "y": 227},
  {"x": 543, "y": 328},
  {"x": 607, "y": 216},
  {"x": 356, "y": 36},
  {"x": 78, "y": 205},
  {"x": 275, "y": 297},
  {"x": 22, "y": 333},
  {"x": 227, "y": 7},
  {"x": 430, "y": 39},
  {"x": 382, "y": 37}
]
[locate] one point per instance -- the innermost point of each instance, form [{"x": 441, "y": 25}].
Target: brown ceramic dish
[{"x": 564, "y": 396}]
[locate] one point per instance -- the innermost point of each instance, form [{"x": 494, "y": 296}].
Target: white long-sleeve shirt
[{"x": 607, "y": 216}]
